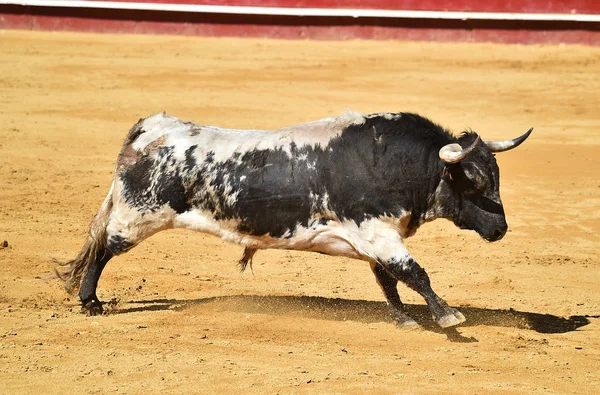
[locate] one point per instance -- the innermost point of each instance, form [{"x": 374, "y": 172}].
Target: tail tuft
[{"x": 72, "y": 271}]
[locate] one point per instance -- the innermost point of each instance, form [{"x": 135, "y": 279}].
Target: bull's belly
[{"x": 333, "y": 238}]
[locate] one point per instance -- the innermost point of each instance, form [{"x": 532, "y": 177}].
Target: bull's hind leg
[
  {"x": 90, "y": 304},
  {"x": 388, "y": 285},
  {"x": 126, "y": 227}
]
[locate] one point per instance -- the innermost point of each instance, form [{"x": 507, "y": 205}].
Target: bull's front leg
[
  {"x": 388, "y": 285},
  {"x": 406, "y": 269},
  {"x": 391, "y": 262}
]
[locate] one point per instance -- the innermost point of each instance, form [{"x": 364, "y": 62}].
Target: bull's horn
[
  {"x": 500, "y": 146},
  {"x": 454, "y": 153}
]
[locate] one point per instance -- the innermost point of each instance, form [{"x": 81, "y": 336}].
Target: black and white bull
[{"x": 352, "y": 186}]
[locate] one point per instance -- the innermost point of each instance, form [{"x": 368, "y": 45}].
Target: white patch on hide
[
  {"x": 129, "y": 223},
  {"x": 386, "y": 115},
  {"x": 354, "y": 117},
  {"x": 203, "y": 221}
]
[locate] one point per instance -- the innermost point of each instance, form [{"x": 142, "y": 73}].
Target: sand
[{"x": 184, "y": 320}]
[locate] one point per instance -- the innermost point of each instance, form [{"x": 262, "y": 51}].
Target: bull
[{"x": 354, "y": 186}]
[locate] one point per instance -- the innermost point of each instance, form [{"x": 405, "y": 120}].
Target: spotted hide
[{"x": 352, "y": 186}]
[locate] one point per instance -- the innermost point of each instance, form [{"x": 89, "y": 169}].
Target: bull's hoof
[
  {"x": 404, "y": 321},
  {"x": 92, "y": 308},
  {"x": 452, "y": 317}
]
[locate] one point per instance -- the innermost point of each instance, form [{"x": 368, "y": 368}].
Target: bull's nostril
[
  {"x": 496, "y": 235},
  {"x": 499, "y": 233}
]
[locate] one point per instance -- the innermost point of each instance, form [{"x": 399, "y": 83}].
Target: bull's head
[{"x": 471, "y": 184}]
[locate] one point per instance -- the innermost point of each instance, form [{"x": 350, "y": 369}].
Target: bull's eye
[
  {"x": 474, "y": 186},
  {"x": 478, "y": 182},
  {"x": 469, "y": 181},
  {"x": 481, "y": 185}
]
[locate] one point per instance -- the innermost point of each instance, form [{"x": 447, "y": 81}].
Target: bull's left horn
[
  {"x": 454, "y": 153},
  {"x": 501, "y": 146}
]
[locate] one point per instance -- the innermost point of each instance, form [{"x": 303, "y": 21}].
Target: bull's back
[{"x": 163, "y": 130}]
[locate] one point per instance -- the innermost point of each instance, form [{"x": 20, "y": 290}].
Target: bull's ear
[
  {"x": 501, "y": 146},
  {"x": 454, "y": 153}
]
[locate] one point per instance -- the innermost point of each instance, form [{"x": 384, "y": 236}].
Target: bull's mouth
[{"x": 496, "y": 235}]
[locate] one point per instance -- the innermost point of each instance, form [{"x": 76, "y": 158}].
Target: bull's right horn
[
  {"x": 501, "y": 146},
  {"x": 454, "y": 153}
]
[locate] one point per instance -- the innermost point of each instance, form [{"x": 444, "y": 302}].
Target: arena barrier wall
[{"x": 506, "y": 21}]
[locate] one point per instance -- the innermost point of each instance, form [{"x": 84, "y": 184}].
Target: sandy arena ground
[{"x": 184, "y": 320}]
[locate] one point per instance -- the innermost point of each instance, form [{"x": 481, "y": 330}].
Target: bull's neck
[{"x": 427, "y": 203}]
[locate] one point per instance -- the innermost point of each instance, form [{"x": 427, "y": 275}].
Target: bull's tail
[{"x": 96, "y": 242}]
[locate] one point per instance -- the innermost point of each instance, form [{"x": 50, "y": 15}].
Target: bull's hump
[
  {"x": 319, "y": 132},
  {"x": 323, "y": 129}
]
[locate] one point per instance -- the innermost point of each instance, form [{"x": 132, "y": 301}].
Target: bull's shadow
[{"x": 364, "y": 311}]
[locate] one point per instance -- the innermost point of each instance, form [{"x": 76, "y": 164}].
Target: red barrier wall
[
  {"x": 545, "y": 6},
  {"x": 334, "y": 28}
]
